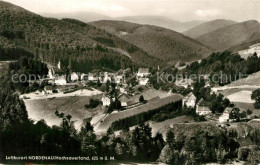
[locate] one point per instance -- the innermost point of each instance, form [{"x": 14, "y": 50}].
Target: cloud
[{"x": 207, "y": 13}]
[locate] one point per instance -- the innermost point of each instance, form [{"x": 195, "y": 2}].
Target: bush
[{"x": 93, "y": 103}]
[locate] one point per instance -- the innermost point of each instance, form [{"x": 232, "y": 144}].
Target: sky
[{"x": 182, "y": 10}]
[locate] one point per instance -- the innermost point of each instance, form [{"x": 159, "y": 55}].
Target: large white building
[
  {"x": 189, "y": 101},
  {"x": 143, "y": 72},
  {"x": 60, "y": 80}
]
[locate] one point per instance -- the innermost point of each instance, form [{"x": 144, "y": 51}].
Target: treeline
[
  {"x": 20, "y": 72},
  {"x": 144, "y": 116},
  {"x": 200, "y": 147},
  {"x": 225, "y": 67}
]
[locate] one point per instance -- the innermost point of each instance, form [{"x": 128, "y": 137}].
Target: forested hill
[
  {"x": 86, "y": 46},
  {"x": 159, "y": 42},
  {"x": 232, "y": 36},
  {"x": 207, "y": 27}
]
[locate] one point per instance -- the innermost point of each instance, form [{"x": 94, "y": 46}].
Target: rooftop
[{"x": 143, "y": 70}]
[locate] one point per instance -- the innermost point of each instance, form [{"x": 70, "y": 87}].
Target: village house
[
  {"x": 84, "y": 77},
  {"x": 74, "y": 76},
  {"x": 123, "y": 99},
  {"x": 48, "y": 90},
  {"x": 225, "y": 117},
  {"x": 189, "y": 101},
  {"x": 143, "y": 81},
  {"x": 107, "y": 77},
  {"x": 118, "y": 79},
  {"x": 61, "y": 80},
  {"x": 106, "y": 101},
  {"x": 143, "y": 72},
  {"x": 92, "y": 77},
  {"x": 202, "y": 108}
]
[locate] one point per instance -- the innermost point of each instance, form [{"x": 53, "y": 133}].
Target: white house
[
  {"x": 189, "y": 100},
  {"x": 119, "y": 79},
  {"x": 124, "y": 104},
  {"x": 92, "y": 77},
  {"x": 225, "y": 117},
  {"x": 74, "y": 76},
  {"x": 106, "y": 101},
  {"x": 60, "y": 80},
  {"x": 143, "y": 72},
  {"x": 143, "y": 81},
  {"x": 202, "y": 108}
]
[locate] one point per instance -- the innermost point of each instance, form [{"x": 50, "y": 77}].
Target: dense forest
[
  {"x": 225, "y": 67},
  {"x": 53, "y": 40},
  {"x": 162, "y": 43}
]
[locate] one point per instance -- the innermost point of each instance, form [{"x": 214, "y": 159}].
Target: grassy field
[
  {"x": 162, "y": 127},
  {"x": 243, "y": 96},
  {"x": 45, "y": 109},
  {"x": 253, "y": 79}
]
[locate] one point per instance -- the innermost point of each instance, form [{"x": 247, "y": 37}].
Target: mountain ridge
[
  {"x": 159, "y": 42},
  {"x": 161, "y": 21},
  {"x": 207, "y": 27},
  {"x": 232, "y": 35}
]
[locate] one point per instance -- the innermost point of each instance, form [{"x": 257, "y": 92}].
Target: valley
[{"x": 141, "y": 88}]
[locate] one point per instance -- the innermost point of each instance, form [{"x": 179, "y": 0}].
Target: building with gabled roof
[
  {"x": 202, "y": 108},
  {"x": 143, "y": 72},
  {"x": 225, "y": 117},
  {"x": 189, "y": 100}
]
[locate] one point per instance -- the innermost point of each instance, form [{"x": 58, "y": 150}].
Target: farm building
[
  {"x": 189, "y": 100},
  {"x": 202, "y": 108}
]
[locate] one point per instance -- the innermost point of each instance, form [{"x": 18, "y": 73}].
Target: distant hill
[
  {"x": 161, "y": 21},
  {"x": 159, "y": 42},
  {"x": 231, "y": 36},
  {"x": 69, "y": 41},
  {"x": 81, "y": 16},
  {"x": 207, "y": 27}
]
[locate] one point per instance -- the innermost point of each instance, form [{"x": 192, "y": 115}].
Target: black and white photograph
[{"x": 130, "y": 82}]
